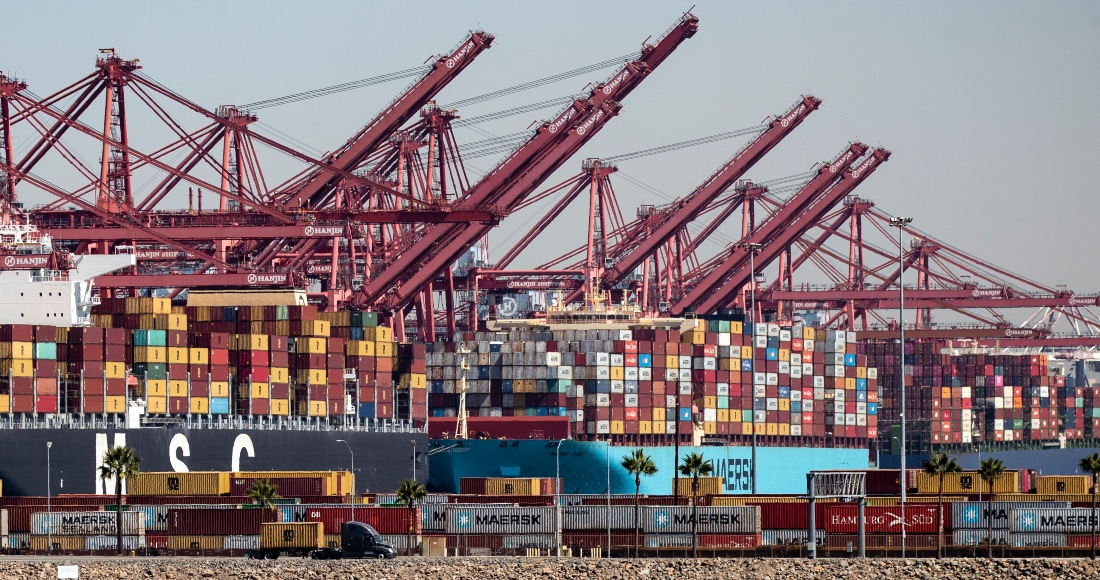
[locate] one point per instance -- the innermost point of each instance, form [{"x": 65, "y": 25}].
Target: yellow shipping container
[
  {"x": 1063, "y": 484},
  {"x": 784, "y": 429},
  {"x": 645, "y": 427},
  {"x": 257, "y": 390},
  {"x": 156, "y": 388},
  {"x": 150, "y": 354},
  {"x": 413, "y": 381},
  {"x": 618, "y": 427},
  {"x": 659, "y": 414},
  {"x": 5, "y": 404},
  {"x": 219, "y": 389},
  {"x": 378, "y": 334},
  {"x": 694, "y": 337},
  {"x": 177, "y": 388},
  {"x": 359, "y": 348},
  {"x": 16, "y": 367},
  {"x": 316, "y": 328},
  {"x": 57, "y": 543},
  {"x": 114, "y": 370},
  {"x": 332, "y": 540},
  {"x": 710, "y": 428},
  {"x": 280, "y": 407},
  {"x": 512, "y": 486},
  {"x": 170, "y": 322},
  {"x": 198, "y": 356},
  {"x": 335, "y": 482},
  {"x": 659, "y": 427},
  {"x": 383, "y": 349},
  {"x": 316, "y": 409},
  {"x": 200, "y": 405},
  {"x": 156, "y": 405},
  {"x": 617, "y": 373},
  {"x": 183, "y": 483},
  {"x": 197, "y": 542},
  {"x": 746, "y": 352},
  {"x": 16, "y": 349},
  {"x": 707, "y": 486},
  {"x": 160, "y": 305},
  {"x": 252, "y": 342},
  {"x": 1041, "y": 497},
  {"x": 309, "y": 535},
  {"x": 771, "y": 429},
  {"x": 968, "y": 482},
  {"x": 279, "y": 375},
  {"x": 115, "y": 404},
  {"x": 312, "y": 376}
]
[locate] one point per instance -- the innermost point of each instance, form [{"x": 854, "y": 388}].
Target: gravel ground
[{"x": 548, "y": 568}]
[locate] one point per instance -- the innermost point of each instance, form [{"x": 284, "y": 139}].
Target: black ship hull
[{"x": 382, "y": 460}]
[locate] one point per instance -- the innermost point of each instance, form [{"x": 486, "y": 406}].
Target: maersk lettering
[
  {"x": 569, "y": 114},
  {"x": 1082, "y": 521},
  {"x": 711, "y": 519},
  {"x": 509, "y": 520},
  {"x": 585, "y": 126}
]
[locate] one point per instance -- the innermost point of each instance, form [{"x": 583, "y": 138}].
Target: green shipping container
[
  {"x": 154, "y": 370},
  {"x": 150, "y": 338},
  {"x": 45, "y": 351},
  {"x": 282, "y": 312},
  {"x": 364, "y": 319}
]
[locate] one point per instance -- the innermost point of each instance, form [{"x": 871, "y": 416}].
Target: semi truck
[{"x": 307, "y": 539}]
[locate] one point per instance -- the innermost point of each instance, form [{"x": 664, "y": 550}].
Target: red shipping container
[
  {"x": 93, "y": 403},
  {"x": 219, "y": 373},
  {"x": 178, "y": 372},
  {"x": 178, "y": 405},
  {"x": 115, "y": 336},
  {"x": 729, "y": 540},
  {"x": 116, "y": 352},
  {"x": 261, "y": 406},
  {"x": 81, "y": 351},
  {"x": 257, "y": 374},
  {"x": 280, "y": 358},
  {"x": 85, "y": 335},
  {"x": 385, "y": 520},
  {"x": 200, "y": 388},
  {"x": 19, "y": 516},
  {"x": 280, "y": 391},
  {"x": 16, "y": 332},
  {"x": 252, "y": 358},
  {"x": 46, "y": 404},
  {"x": 177, "y": 338},
  {"x": 219, "y": 522},
  {"x": 920, "y": 519},
  {"x": 521, "y": 500},
  {"x": 219, "y": 357},
  {"x": 116, "y": 387},
  {"x": 287, "y": 486}
]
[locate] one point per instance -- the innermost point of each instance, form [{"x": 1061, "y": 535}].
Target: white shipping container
[
  {"x": 668, "y": 540},
  {"x": 500, "y": 520},
  {"x": 104, "y": 543},
  {"x": 975, "y": 514},
  {"x": 18, "y": 540},
  {"x": 595, "y": 517},
  {"x": 711, "y": 520},
  {"x": 789, "y": 537},
  {"x": 86, "y": 523},
  {"x": 434, "y": 516},
  {"x": 980, "y": 537},
  {"x": 241, "y": 543},
  {"x": 3, "y": 522},
  {"x": 1042, "y": 520},
  {"x": 1037, "y": 540}
]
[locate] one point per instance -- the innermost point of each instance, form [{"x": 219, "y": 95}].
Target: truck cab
[{"x": 358, "y": 541}]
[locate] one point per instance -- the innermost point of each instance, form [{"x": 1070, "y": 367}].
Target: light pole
[
  {"x": 49, "y": 511},
  {"x": 607, "y": 457},
  {"x": 753, "y": 249},
  {"x": 414, "y": 459},
  {"x": 900, "y": 223},
  {"x": 354, "y": 487},
  {"x": 557, "y": 498}
]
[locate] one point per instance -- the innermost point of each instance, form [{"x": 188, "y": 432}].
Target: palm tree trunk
[
  {"x": 118, "y": 513},
  {"x": 637, "y": 492},
  {"x": 990, "y": 538},
  {"x": 939, "y": 516},
  {"x": 694, "y": 516}
]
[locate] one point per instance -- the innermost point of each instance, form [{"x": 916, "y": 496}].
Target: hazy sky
[{"x": 984, "y": 105}]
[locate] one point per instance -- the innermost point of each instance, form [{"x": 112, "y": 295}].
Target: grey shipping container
[
  {"x": 513, "y": 520},
  {"x": 1060, "y": 521},
  {"x": 595, "y": 517},
  {"x": 19, "y": 540},
  {"x": 527, "y": 541},
  {"x": 402, "y": 542},
  {"x": 789, "y": 537},
  {"x": 711, "y": 520},
  {"x": 1037, "y": 540},
  {"x": 86, "y": 523},
  {"x": 975, "y": 514},
  {"x": 979, "y": 537},
  {"x": 105, "y": 543},
  {"x": 434, "y": 515},
  {"x": 3, "y": 522},
  {"x": 668, "y": 540},
  {"x": 241, "y": 542}
]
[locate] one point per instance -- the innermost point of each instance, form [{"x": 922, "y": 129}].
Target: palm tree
[
  {"x": 989, "y": 471},
  {"x": 1091, "y": 464},
  {"x": 694, "y": 466},
  {"x": 939, "y": 464},
  {"x": 121, "y": 464},
  {"x": 409, "y": 492},
  {"x": 263, "y": 493},
  {"x": 637, "y": 464}
]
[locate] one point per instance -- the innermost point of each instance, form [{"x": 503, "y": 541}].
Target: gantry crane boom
[
  {"x": 718, "y": 288},
  {"x": 421, "y": 259},
  {"x": 686, "y": 209},
  {"x": 319, "y": 183}
]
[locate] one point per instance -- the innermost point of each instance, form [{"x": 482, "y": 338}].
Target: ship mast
[{"x": 462, "y": 430}]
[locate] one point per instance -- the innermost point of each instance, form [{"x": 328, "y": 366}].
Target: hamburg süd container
[
  {"x": 306, "y": 535},
  {"x": 919, "y": 519},
  {"x": 711, "y": 520},
  {"x": 492, "y": 520}
]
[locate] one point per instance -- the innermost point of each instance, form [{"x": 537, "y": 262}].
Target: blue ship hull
[{"x": 586, "y": 466}]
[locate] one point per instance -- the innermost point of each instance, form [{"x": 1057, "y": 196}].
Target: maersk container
[
  {"x": 980, "y": 537},
  {"x": 519, "y": 542},
  {"x": 107, "y": 543},
  {"x": 512, "y": 521},
  {"x": 1037, "y": 540},
  {"x": 87, "y": 523},
  {"x": 218, "y": 522},
  {"x": 668, "y": 540},
  {"x": 18, "y": 540},
  {"x": 251, "y": 542},
  {"x": 433, "y": 516},
  {"x": 1043, "y": 520},
  {"x": 710, "y": 520},
  {"x": 20, "y": 516},
  {"x": 919, "y": 519},
  {"x": 730, "y": 541},
  {"x": 789, "y": 537},
  {"x": 976, "y": 514},
  {"x": 594, "y": 517}
]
